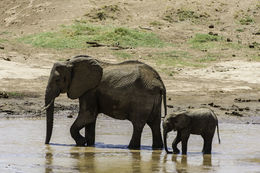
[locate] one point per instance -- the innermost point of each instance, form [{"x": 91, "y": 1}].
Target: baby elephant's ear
[{"x": 181, "y": 121}]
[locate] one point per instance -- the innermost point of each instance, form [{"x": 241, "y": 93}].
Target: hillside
[{"x": 206, "y": 51}]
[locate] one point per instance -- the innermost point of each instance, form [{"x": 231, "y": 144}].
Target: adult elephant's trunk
[
  {"x": 49, "y": 105},
  {"x": 49, "y": 122}
]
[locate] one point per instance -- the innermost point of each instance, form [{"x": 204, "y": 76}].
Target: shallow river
[{"x": 22, "y": 149}]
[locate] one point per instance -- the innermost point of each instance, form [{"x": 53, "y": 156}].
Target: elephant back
[{"x": 132, "y": 74}]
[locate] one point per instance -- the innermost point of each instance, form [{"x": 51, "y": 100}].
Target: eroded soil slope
[{"x": 227, "y": 80}]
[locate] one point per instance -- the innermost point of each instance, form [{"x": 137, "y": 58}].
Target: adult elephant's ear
[{"x": 86, "y": 74}]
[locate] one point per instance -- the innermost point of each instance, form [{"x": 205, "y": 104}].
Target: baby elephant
[{"x": 200, "y": 121}]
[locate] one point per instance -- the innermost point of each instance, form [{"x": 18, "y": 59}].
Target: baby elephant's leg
[
  {"x": 175, "y": 143},
  {"x": 207, "y": 144},
  {"x": 184, "y": 141}
]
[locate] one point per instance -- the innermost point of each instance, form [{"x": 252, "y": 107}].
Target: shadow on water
[
  {"x": 112, "y": 146},
  {"x": 105, "y": 146},
  {"x": 62, "y": 145}
]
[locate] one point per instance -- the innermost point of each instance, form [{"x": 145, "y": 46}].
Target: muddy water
[{"x": 22, "y": 149}]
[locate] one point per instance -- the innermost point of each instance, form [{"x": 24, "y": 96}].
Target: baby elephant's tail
[{"x": 217, "y": 124}]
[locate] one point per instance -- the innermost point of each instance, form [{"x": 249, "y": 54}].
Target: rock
[
  {"x": 4, "y": 95},
  {"x": 236, "y": 114},
  {"x": 170, "y": 106},
  {"x": 213, "y": 105},
  {"x": 242, "y": 100},
  {"x": 211, "y": 26},
  {"x": 224, "y": 109},
  {"x": 2, "y": 47},
  {"x": 214, "y": 34},
  {"x": 7, "y": 59},
  {"x": 251, "y": 46},
  {"x": 8, "y": 111},
  {"x": 229, "y": 40}
]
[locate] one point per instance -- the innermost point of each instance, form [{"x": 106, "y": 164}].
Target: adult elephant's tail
[
  {"x": 164, "y": 102},
  {"x": 218, "y": 134}
]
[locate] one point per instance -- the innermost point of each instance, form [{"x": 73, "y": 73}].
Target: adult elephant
[{"x": 130, "y": 90}]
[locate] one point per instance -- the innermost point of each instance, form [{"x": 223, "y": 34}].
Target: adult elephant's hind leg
[
  {"x": 155, "y": 126},
  {"x": 135, "y": 142}
]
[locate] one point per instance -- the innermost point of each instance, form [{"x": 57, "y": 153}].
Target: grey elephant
[
  {"x": 130, "y": 90},
  {"x": 202, "y": 121}
]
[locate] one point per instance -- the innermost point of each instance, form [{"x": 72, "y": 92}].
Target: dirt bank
[{"x": 228, "y": 82}]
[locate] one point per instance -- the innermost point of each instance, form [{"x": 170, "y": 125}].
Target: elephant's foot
[
  {"x": 81, "y": 142},
  {"x": 157, "y": 146},
  {"x": 90, "y": 143},
  {"x": 176, "y": 151},
  {"x": 206, "y": 152},
  {"x": 134, "y": 146},
  {"x": 90, "y": 140}
]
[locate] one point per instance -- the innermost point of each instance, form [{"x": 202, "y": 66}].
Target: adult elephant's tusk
[{"x": 46, "y": 107}]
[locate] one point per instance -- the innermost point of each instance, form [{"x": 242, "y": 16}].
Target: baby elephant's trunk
[{"x": 165, "y": 141}]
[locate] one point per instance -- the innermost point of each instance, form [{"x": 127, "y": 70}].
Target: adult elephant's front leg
[
  {"x": 78, "y": 124},
  {"x": 90, "y": 133},
  {"x": 86, "y": 118}
]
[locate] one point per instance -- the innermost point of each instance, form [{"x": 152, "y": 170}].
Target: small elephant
[
  {"x": 202, "y": 121},
  {"x": 130, "y": 90}
]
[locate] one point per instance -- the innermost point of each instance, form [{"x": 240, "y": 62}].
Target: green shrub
[
  {"x": 76, "y": 36},
  {"x": 247, "y": 20}
]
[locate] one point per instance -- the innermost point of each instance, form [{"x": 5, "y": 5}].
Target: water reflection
[
  {"x": 90, "y": 159},
  {"x": 83, "y": 162},
  {"x": 48, "y": 159},
  {"x": 207, "y": 160},
  {"x": 188, "y": 163}
]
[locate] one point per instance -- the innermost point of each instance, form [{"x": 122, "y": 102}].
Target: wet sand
[{"x": 22, "y": 149}]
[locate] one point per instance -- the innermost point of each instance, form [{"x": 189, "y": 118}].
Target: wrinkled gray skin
[
  {"x": 130, "y": 90},
  {"x": 200, "y": 121}
]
